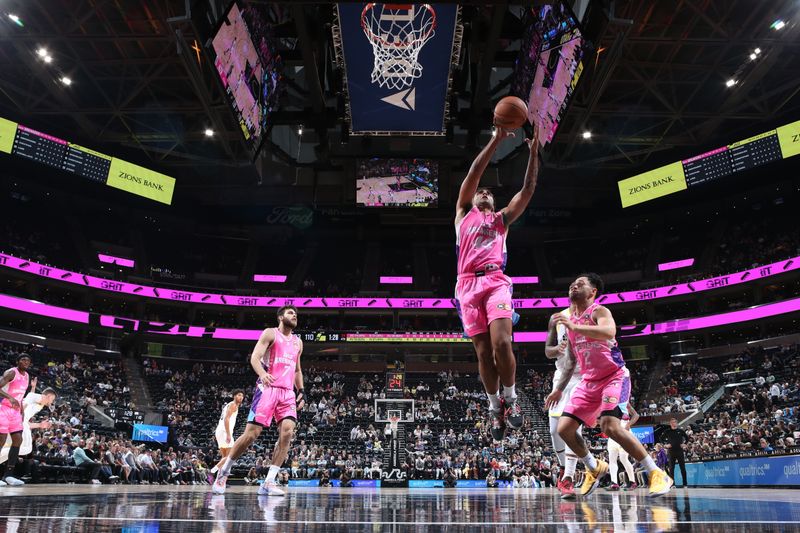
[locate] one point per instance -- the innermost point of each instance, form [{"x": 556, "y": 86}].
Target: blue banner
[
  {"x": 403, "y": 91},
  {"x": 644, "y": 434},
  {"x": 146, "y": 433},
  {"x": 759, "y": 471}
]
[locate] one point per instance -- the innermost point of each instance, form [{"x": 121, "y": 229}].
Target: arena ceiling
[{"x": 656, "y": 83}]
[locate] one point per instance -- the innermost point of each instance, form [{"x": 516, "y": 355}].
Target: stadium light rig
[
  {"x": 778, "y": 25},
  {"x": 586, "y": 135},
  {"x": 208, "y": 132},
  {"x": 731, "y": 82},
  {"x": 66, "y": 81},
  {"x": 16, "y": 20}
]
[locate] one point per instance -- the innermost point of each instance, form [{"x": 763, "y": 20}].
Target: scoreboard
[
  {"x": 395, "y": 383},
  {"x": 761, "y": 149},
  {"x": 46, "y": 149},
  {"x": 128, "y": 416}
]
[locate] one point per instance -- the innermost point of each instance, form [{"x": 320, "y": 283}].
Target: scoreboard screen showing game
[
  {"x": 549, "y": 67},
  {"x": 397, "y": 182},
  {"x": 249, "y": 68}
]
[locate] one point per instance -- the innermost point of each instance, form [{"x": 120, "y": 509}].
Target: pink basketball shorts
[
  {"x": 272, "y": 403},
  {"x": 595, "y": 398},
  {"x": 480, "y": 300},
  {"x": 10, "y": 420}
]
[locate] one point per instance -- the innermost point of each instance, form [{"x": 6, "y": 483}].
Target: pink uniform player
[
  {"x": 483, "y": 291},
  {"x": 13, "y": 386},
  {"x": 274, "y": 398},
  {"x": 605, "y": 387}
]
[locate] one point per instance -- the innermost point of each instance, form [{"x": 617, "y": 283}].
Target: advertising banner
[
  {"x": 758, "y": 471},
  {"x": 141, "y": 181}
]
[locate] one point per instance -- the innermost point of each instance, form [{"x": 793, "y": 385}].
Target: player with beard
[
  {"x": 483, "y": 291},
  {"x": 605, "y": 387},
  {"x": 274, "y": 398}
]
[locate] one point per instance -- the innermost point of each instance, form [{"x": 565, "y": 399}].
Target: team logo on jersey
[
  {"x": 505, "y": 307},
  {"x": 610, "y": 399}
]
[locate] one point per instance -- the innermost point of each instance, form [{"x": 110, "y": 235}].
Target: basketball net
[
  {"x": 397, "y": 33},
  {"x": 393, "y": 421}
]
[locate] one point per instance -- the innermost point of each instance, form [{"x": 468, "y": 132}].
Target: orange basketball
[{"x": 510, "y": 112}]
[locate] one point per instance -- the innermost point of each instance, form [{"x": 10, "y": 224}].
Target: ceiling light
[
  {"x": 731, "y": 82},
  {"x": 777, "y": 25},
  {"x": 586, "y": 134},
  {"x": 66, "y": 81},
  {"x": 41, "y": 52},
  {"x": 300, "y": 130},
  {"x": 47, "y": 59},
  {"x": 209, "y": 132},
  {"x": 757, "y": 51},
  {"x": 494, "y": 132},
  {"x": 16, "y": 20},
  {"x": 753, "y": 56}
]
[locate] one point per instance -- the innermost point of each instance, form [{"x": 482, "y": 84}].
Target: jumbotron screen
[
  {"x": 549, "y": 67},
  {"x": 249, "y": 68},
  {"x": 397, "y": 183}
]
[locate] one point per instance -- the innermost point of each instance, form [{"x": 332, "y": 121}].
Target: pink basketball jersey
[
  {"x": 16, "y": 388},
  {"x": 282, "y": 362},
  {"x": 480, "y": 241},
  {"x": 598, "y": 359}
]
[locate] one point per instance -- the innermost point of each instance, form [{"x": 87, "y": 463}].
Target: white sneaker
[
  {"x": 14, "y": 482},
  {"x": 3, "y": 483},
  {"x": 270, "y": 489},
  {"x": 219, "y": 484},
  {"x": 96, "y": 482}
]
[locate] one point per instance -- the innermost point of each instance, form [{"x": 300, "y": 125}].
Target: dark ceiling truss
[{"x": 650, "y": 86}]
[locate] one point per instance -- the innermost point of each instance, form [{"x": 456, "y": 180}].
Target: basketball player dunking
[
  {"x": 13, "y": 386},
  {"x": 224, "y": 432},
  {"x": 605, "y": 387},
  {"x": 483, "y": 291},
  {"x": 566, "y": 378},
  {"x": 274, "y": 398}
]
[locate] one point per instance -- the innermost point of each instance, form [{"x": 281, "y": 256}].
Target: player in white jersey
[
  {"x": 566, "y": 378},
  {"x": 32, "y": 403},
  {"x": 615, "y": 451},
  {"x": 224, "y": 432}
]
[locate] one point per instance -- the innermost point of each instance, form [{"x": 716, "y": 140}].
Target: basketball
[{"x": 510, "y": 112}]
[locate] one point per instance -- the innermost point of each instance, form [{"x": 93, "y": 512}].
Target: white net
[{"x": 397, "y": 33}]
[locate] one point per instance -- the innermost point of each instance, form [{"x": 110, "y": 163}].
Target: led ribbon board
[
  {"x": 48, "y": 150},
  {"x": 180, "y": 330},
  {"x": 147, "y": 291},
  {"x": 772, "y": 145},
  {"x": 397, "y": 60}
]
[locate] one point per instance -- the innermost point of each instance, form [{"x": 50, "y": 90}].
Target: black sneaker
[
  {"x": 513, "y": 415},
  {"x": 498, "y": 424}
]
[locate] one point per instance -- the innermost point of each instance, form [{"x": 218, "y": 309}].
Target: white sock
[
  {"x": 570, "y": 464},
  {"x": 510, "y": 393},
  {"x": 589, "y": 461},
  {"x": 273, "y": 473},
  {"x": 648, "y": 464},
  {"x": 494, "y": 401},
  {"x": 214, "y": 470},
  {"x": 225, "y": 469}
]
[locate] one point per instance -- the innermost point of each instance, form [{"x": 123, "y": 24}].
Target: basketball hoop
[
  {"x": 393, "y": 421},
  {"x": 397, "y": 33}
]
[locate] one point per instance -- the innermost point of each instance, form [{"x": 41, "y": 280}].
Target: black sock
[{"x": 13, "y": 455}]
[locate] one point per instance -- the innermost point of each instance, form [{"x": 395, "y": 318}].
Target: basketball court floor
[{"x": 191, "y": 509}]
